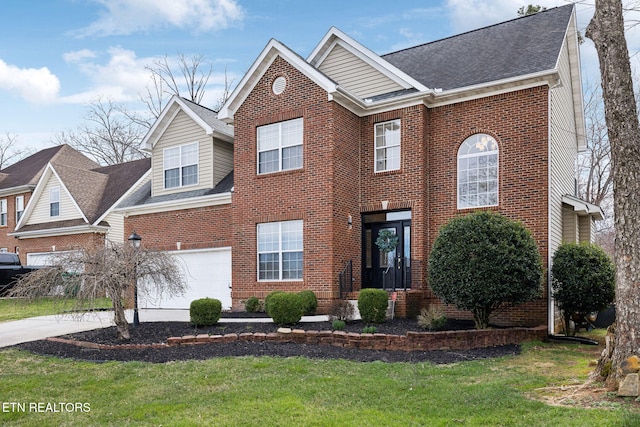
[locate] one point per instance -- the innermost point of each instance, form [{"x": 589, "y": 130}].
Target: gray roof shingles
[{"x": 514, "y": 48}]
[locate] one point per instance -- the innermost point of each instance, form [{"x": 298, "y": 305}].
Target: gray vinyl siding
[
  {"x": 222, "y": 160},
  {"x": 183, "y": 130},
  {"x": 563, "y": 152},
  {"x": 40, "y": 212},
  {"x": 355, "y": 75}
]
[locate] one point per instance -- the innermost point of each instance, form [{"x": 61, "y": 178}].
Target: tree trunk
[
  {"x": 606, "y": 29},
  {"x": 122, "y": 326}
]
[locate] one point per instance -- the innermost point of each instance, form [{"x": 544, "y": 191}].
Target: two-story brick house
[{"x": 329, "y": 150}]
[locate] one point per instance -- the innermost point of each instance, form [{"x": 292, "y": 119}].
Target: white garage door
[
  {"x": 43, "y": 259},
  {"x": 208, "y": 274}
]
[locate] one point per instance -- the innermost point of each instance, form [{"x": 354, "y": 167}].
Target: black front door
[{"x": 387, "y": 270}]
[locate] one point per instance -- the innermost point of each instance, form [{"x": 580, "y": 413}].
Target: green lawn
[
  {"x": 253, "y": 391},
  {"x": 16, "y": 309}
]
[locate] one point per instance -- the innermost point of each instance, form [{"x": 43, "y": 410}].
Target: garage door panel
[{"x": 207, "y": 273}]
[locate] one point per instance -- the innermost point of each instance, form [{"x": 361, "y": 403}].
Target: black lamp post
[{"x": 135, "y": 240}]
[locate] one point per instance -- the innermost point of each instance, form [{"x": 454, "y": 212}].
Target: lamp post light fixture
[{"x": 135, "y": 240}]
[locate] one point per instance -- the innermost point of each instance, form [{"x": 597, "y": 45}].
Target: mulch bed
[{"x": 158, "y": 332}]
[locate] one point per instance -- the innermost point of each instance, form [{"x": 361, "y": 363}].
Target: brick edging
[{"x": 444, "y": 340}]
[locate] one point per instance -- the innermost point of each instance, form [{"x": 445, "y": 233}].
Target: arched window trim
[{"x": 482, "y": 185}]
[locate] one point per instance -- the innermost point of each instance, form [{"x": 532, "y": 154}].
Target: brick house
[
  {"x": 329, "y": 150},
  {"x": 63, "y": 200}
]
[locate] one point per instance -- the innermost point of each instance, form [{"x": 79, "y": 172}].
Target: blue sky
[{"x": 57, "y": 55}]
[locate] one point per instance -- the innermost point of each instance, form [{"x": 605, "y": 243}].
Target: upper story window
[
  {"x": 280, "y": 146},
  {"x": 19, "y": 207},
  {"x": 3, "y": 212},
  {"x": 54, "y": 201},
  {"x": 280, "y": 250},
  {"x": 478, "y": 172},
  {"x": 180, "y": 165},
  {"x": 387, "y": 146}
]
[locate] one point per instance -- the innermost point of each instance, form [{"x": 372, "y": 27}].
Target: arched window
[{"x": 478, "y": 172}]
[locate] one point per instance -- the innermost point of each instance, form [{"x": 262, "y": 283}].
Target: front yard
[{"x": 524, "y": 390}]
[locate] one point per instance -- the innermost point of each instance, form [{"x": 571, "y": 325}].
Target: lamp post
[{"x": 135, "y": 240}]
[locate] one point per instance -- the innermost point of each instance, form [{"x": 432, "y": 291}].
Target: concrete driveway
[{"x": 38, "y": 328}]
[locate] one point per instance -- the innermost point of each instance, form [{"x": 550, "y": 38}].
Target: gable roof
[
  {"x": 206, "y": 118},
  {"x": 520, "y": 47}
]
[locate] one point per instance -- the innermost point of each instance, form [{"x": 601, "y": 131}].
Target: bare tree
[
  {"x": 606, "y": 29},
  {"x": 111, "y": 136},
  {"x": 84, "y": 275},
  {"x": 9, "y": 151}
]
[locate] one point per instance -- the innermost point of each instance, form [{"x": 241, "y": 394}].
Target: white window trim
[
  {"x": 458, "y": 157},
  {"x": 386, "y": 146},
  {"x": 52, "y": 191},
  {"x": 280, "y": 147},
  {"x": 21, "y": 211},
  {"x": 4, "y": 218},
  {"x": 180, "y": 166},
  {"x": 280, "y": 252}
]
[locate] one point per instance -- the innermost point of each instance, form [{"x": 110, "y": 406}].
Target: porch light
[{"x": 135, "y": 240}]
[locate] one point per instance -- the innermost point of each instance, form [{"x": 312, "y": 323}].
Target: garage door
[
  {"x": 43, "y": 259},
  {"x": 208, "y": 274}
]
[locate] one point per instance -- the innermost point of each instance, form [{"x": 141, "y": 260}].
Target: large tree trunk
[
  {"x": 122, "y": 326},
  {"x": 606, "y": 29}
]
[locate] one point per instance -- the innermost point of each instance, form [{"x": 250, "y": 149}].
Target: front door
[{"x": 387, "y": 269}]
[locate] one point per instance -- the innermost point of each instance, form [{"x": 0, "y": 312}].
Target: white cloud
[
  {"x": 123, "y": 17},
  {"x": 36, "y": 85},
  {"x": 78, "y": 56}
]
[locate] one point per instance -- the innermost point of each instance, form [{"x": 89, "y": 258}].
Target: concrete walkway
[{"x": 37, "y": 328}]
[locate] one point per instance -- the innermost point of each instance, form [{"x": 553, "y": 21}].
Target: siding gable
[
  {"x": 40, "y": 211},
  {"x": 356, "y": 75}
]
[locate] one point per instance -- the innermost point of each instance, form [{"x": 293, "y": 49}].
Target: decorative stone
[
  {"x": 630, "y": 365},
  {"x": 630, "y": 386},
  {"x": 284, "y": 330}
]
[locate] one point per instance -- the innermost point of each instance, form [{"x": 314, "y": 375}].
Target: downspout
[{"x": 550, "y": 303}]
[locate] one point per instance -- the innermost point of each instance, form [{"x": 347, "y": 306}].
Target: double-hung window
[
  {"x": 280, "y": 146},
  {"x": 19, "y": 207},
  {"x": 280, "y": 250},
  {"x": 478, "y": 172},
  {"x": 180, "y": 165},
  {"x": 54, "y": 201},
  {"x": 387, "y": 146},
  {"x": 3, "y": 212}
]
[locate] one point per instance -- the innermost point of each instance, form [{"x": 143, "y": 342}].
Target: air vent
[{"x": 279, "y": 85}]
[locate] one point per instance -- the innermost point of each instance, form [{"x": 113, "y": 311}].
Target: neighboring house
[
  {"x": 71, "y": 205},
  {"x": 185, "y": 206},
  {"x": 332, "y": 149}
]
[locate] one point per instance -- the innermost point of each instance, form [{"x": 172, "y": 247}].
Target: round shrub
[
  {"x": 252, "y": 305},
  {"x": 372, "y": 304},
  {"x": 285, "y": 308},
  {"x": 583, "y": 280},
  {"x": 205, "y": 311},
  {"x": 309, "y": 301},
  {"x": 338, "y": 325},
  {"x": 267, "y": 300},
  {"x": 484, "y": 261}
]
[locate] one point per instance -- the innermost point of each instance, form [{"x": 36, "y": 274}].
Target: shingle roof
[
  {"x": 518, "y": 47},
  {"x": 210, "y": 117}
]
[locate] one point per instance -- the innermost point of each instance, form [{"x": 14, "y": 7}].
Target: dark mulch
[{"x": 158, "y": 332}]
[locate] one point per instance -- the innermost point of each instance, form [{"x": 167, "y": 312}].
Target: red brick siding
[
  {"x": 61, "y": 243},
  {"x": 11, "y": 242}
]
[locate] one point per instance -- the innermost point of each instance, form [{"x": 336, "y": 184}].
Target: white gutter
[
  {"x": 59, "y": 231},
  {"x": 176, "y": 205},
  {"x": 17, "y": 190}
]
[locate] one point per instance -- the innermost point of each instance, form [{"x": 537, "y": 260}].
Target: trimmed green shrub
[
  {"x": 372, "y": 304},
  {"x": 252, "y": 305},
  {"x": 583, "y": 280},
  {"x": 432, "y": 318},
  {"x": 341, "y": 310},
  {"x": 338, "y": 325},
  {"x": 285, "y": 308},
  {"x": 309, "y": 301},
  {"x": 205, "y": 312},
  {"x": 267, "y": 300},
  {"x": 369, "y": 329},
  {"x": 483, "y": 262}
]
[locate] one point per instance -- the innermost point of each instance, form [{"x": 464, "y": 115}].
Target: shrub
[
  {"x": 338, "y": 325},
  {"x": 205, "y": 311},
  {"x": 372, "y": 304},
  {"x": 267, "y": 300},
  {"x": 369, "y": 329},
  {"x": 432, "y": 318},
  {"x": 252, "y": 305},
  {"x": 583, "y": 280},
  {"x": 309, "y": 301},
  {"x": 482, "y": 262},
  {"x": 285, "y": 308},
  {"x": 341, "y": 310}
]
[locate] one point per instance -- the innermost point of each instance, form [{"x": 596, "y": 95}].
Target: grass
[
  {"x": 248, "y": 391},
  {"x": 16, "y": 309}
]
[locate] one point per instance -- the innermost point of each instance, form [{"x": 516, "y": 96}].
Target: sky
[{"x": 58, "y": 55}]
